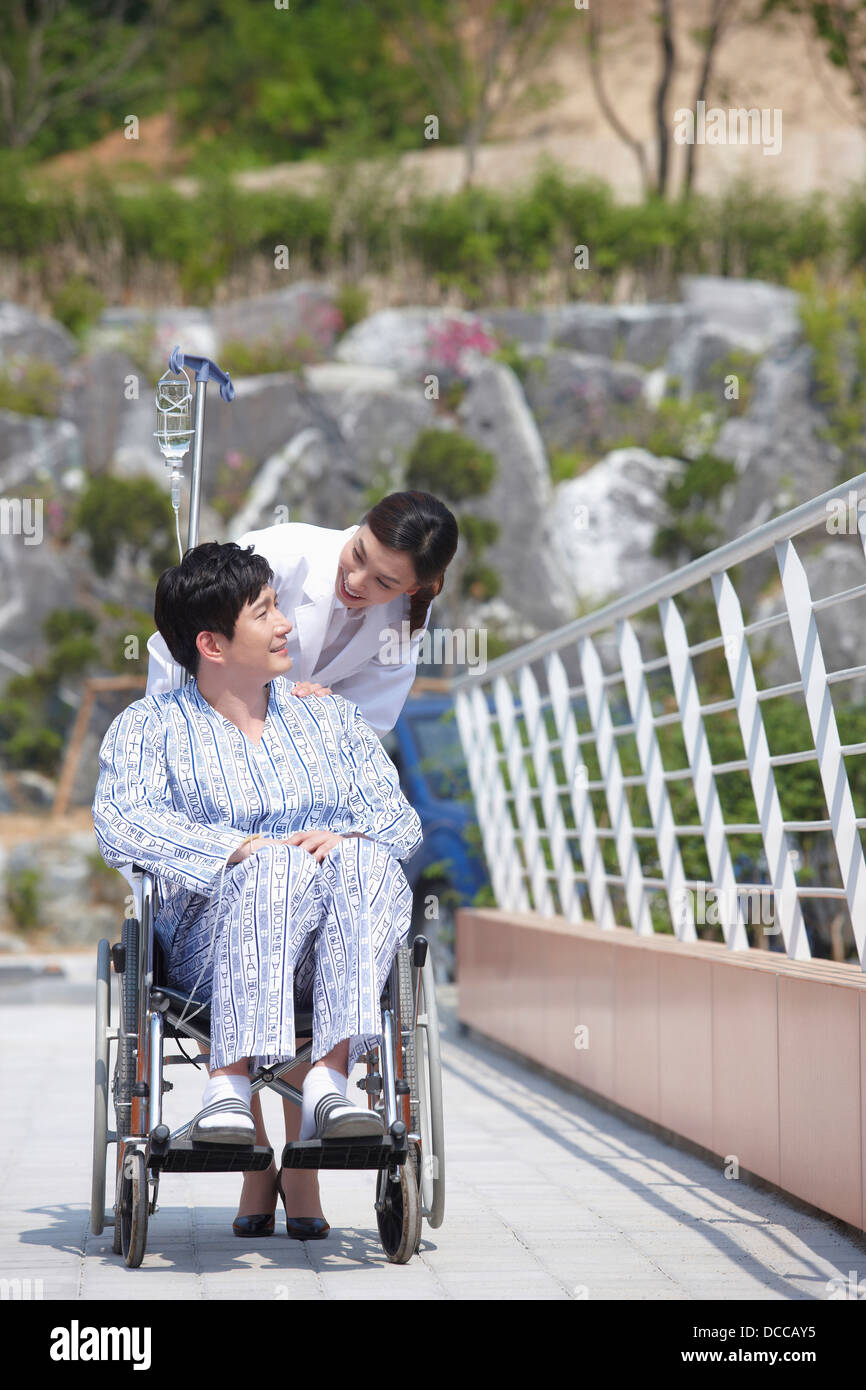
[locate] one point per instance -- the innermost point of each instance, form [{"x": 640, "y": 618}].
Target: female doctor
[{"x": 348, "y": 595}]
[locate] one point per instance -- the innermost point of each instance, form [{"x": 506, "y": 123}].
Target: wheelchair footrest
[
  {"x": 183, "y": 1156},
  {"x": 343, "y": 1153}
]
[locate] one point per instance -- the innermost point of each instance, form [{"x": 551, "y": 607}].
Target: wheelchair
[{"x": 403, "y": 1083}]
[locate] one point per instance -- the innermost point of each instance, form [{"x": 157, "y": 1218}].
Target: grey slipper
[
  {"x": 231, "y": 1130},
  {"x": 336, "y": 1118}
]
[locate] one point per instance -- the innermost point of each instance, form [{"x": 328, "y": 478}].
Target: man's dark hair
[{"x": 205, "y": 593}]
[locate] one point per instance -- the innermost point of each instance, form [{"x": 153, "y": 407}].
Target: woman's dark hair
[
  {"x": 205, "y": 593},
  {"x": 422, "y": 526}
]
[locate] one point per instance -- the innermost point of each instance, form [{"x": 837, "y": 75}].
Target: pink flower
[
  {"x": 233, "y": 458},
  {"x": 451, "y": 339}
]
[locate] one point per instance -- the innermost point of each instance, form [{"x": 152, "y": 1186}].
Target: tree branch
[{"x": 594, "y": 51}]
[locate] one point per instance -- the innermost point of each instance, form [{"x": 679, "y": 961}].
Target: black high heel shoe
[
  {"x": 302, "y": 1227},
  {"x": 254, "y": 1225}
]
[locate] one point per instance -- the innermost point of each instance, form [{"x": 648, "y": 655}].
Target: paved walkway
[{"x": 548, "y": 1196}]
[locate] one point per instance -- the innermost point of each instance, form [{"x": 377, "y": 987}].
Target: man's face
[
  {"x": 369, "y": 573},
  {"x": 259, "y": 643}
]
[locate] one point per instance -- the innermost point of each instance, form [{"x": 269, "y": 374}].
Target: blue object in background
[{"x": 425, "y": 748}]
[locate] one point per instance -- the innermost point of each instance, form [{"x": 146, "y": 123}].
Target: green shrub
[
  {"x": 569, "y": 463},
  {"x": 449, "y": 465},
  {"x": 119, "y": 623},
  {"x": 509, "y": 355},
  {"x": 478, "y": 531},
  {"x": 485, "y": 243},
  {"x": 131, "y": 510},
  {"x": 30, "y": 387},
  {"x": 762, "y": 234},
  {"x": 741, "y": 364},
  {"x": 22, "y": 897},
  {"x": 270, "y": 355},
  {"x": 480, "y": 582},
  {"x": 453, "y": 394},
  {"x": 33, "y": 718},
  {"x": 693, "y": 529},
  {"x": 834, "y": 325},
  {"x": 684, "y": 429},
  {"x": 353, "y": 304},
  {"x": 29, "y": 745},
  {"x": 78, "y": 305}
]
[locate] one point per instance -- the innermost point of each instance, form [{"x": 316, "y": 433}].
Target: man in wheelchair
[{"x": 274, "y": 827}]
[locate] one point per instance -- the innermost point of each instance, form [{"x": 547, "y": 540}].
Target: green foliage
[
  {"x": 255, "y": 85},
  {"x": 762, "y": 234},
  {"x": 509, "y": 355},
  {"x": 132, "y": 511},
  {"x": 484, "y": 243},
  {"x": 457, "y": 238},
  {"x": 687, "y": 430},
  {"x": 78, "y": 305},
  {"x": 480, "y": 581},
  {"x": 54, "y": 54},
  {"x": 569, "y": 463},
  {"x": 270, "y": 355},
  {"x": 353, "y": 304},
  {"x": 32, "y": 717},
  {"x": 478, "y": 531},
  {"x": 26, "y": 742},
  {"x": 485, "y": 897},
  {"x": 23, "y": 897},
  {"x": 118, "y": 623},
  {"x": 30, "y": 387},
  {"x": 741, "y": 364},
  {"x": 449, "y": 465},
  {"x": 684, "y": 429},
  {"x": 453, "y": 393},
  {"x": 834, "y": 324}
]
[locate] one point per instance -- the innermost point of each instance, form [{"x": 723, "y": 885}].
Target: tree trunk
[
  {"x": 717, "y": 17},
  {"x": 668, "y": 64}
]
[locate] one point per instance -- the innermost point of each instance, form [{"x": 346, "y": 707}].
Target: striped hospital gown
[{"x": 180, "y": 787}]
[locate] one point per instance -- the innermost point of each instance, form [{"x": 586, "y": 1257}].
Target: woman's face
[{"x": 368, "y": 573}]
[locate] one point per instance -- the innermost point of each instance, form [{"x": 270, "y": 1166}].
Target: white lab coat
[{"x": 304, "y": 561}]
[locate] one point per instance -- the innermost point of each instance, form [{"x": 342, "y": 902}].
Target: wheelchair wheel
[
  {"x": 100, "y": 1087},
  {"x": 127, "y": 1047},
  {"x": 128, "y": 1041},
  {"x": 398, "y": 1210},
  {"x": 409, "y": 1070},
  {"x": 431, "y": 1125},
  {"x": 132, "y": 1205}
]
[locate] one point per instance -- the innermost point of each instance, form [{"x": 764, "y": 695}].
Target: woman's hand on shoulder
[{"x": 304, "y": 688}]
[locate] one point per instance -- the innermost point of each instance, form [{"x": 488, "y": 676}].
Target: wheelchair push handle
[{"x": 205, "y": 370}]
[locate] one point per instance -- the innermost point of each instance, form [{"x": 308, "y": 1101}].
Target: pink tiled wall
[{"x": 751, "y": 1055}]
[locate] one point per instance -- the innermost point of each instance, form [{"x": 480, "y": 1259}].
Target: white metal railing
[{"x": 560, "y": 838}]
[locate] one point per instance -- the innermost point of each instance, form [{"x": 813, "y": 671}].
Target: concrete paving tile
[{"x": 545, "y": 1192}]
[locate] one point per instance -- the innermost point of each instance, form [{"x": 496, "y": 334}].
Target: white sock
[
  {"x": 319, "y": 1082},
  {"x": 226, "y": 1088}
]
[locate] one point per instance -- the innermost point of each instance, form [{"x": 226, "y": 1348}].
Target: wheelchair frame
[{"x": 403, "y": 1083}]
